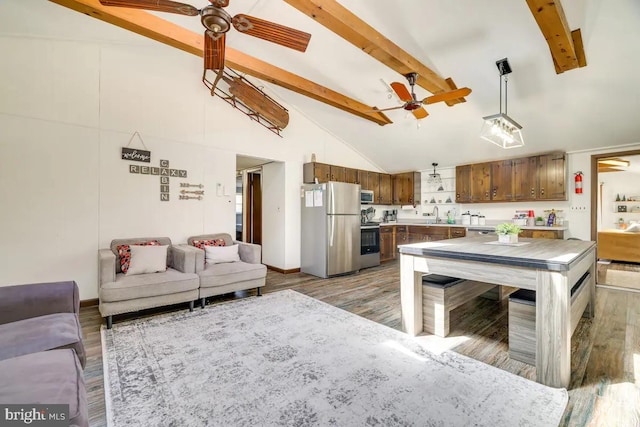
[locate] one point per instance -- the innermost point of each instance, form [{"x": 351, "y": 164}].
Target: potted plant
[
  {"x": 507, "y": 232},
  {"x": 540, "y": 221}
]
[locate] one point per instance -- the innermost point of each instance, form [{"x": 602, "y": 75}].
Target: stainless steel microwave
[{"x": 366, "y": 197}]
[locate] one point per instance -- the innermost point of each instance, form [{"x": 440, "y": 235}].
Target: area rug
[{"x": 286, "y": 359}]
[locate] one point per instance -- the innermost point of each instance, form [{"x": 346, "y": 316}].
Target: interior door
[{"x": 254, "y": 208}]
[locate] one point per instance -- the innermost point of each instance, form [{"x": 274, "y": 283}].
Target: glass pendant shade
[{"x": 502, "y": 130}]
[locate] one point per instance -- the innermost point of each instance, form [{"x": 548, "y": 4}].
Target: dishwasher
[{"x": 471, "y": 231}]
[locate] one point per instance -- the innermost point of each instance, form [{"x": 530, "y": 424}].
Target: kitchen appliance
[
  {"x": 369, "y": 244},
  {"x": 366, "y": 197},
  {"x": 330, "y": 234},
  {"x": 481, "y": 230}
]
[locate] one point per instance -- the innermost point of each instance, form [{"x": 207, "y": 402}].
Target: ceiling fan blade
[
  {"x": 377, "y": 110},
  {"x": 420, "y": 113},
  {"x": 214, "y": 51},
  {"x": 157, "y": 5},
  {"x": 402, "y": 91},
  {"x": 270, "y": 31},
  {"x": 447, "y": 96},
  {"x": 219, "y": 3}
]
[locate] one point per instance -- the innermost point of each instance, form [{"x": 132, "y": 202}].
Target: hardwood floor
[{"x": 605, "y": 364}]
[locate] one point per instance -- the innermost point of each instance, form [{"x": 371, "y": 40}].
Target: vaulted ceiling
[{"x": 593, "y": 106}]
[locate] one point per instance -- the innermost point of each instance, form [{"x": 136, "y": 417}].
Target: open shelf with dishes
[{"x": 627, "y": 206}]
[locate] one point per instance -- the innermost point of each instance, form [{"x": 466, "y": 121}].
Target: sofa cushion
[
  {"x": 220, "y": 254},
  {"x": 232, "y": 272},
  {"x": 202, "y": 244},
  {"x": 42, "y": 333},
  {"x": 147, "y": 259},
  {"x": 117, "y": 242},
  {"x": 51, "y": 377},
  {"x": 124, "y": 253},
  {"x": 148, "y": 285}
]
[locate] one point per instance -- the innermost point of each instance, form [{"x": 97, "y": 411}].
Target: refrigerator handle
[{"x": 332, "y": 227}]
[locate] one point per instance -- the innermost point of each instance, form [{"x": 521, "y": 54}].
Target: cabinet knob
[
  {"x": 542, "y": 191},
  {"x": 533, "y": 192}
]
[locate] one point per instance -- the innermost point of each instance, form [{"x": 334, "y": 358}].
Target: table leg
[
  {"x": 553, "y": 329},
  {"x": 410, "y": 296}
]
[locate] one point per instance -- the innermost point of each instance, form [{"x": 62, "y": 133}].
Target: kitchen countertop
[{"x": 491, "y": 225}]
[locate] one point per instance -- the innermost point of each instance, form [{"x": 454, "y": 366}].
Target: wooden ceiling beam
[
  {"x": 151, "y": 26},
  {"x": 566, "y": 46},
  {"x": 344, "y": 23}
]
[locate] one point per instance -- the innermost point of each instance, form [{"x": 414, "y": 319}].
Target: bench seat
[
  {"x": 441, "y": 294},
  {"x": 522, "y": 318}
]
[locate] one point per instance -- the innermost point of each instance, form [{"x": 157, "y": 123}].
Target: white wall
[{"x": 64, "y": 190}]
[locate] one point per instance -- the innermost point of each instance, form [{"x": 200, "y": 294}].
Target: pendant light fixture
[
  {"x": 500, "y": 129},
  {"x": 434, "y": 178}
]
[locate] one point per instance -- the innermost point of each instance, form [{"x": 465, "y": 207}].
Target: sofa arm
[
  {"x": 183, "y": 258},
  {"x": 106, "y": 266},
  {"x": 249, "y": 252},
  {"x": 38, "y": 299}
]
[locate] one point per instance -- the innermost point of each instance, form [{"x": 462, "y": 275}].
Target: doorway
[
  {"x": 615, "y": 221},
  {"x": 249, "y": 198}
]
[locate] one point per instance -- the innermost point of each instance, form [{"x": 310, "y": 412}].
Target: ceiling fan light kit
[{"x": 500, "y": 129}]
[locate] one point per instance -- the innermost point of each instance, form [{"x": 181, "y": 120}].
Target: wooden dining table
[{"x": 549, "y": 267}]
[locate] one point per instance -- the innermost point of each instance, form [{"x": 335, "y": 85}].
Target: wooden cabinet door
[
  {"x": 337, "y": 173},
  {"x": 386, "y": 189},
  {"x": 402, "y": 185},
  {"x": 387, "y": 244},
  {"x": 351, "y": 176},
  {"x": 501, "y": 181},
  {"x": 373, "y": 184},
  {"x": 551, "y": 177},
  {"x": 542, "y": 234},
  {"x": 363, "y": 179},
  {"x": 524, "y": 178},
  {"x": 312, "y": 171},
  {"x": 402, "y": 236},
  {"x": 463, "y": 184},
  {"x": 481, "y": 182},
  {"x": 455, "y": 232}
]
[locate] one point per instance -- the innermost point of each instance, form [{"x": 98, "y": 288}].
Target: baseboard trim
[
  {"x": 89, "y": 302},
  {"x": 280, "y": 270}
]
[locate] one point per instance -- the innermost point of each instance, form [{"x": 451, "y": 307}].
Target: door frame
[{"x": 595, "y": 187}]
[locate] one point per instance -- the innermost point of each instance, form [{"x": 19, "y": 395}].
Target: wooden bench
[
  {"x": 441, "y": 294},
  {"x": 522, "y": 318}
]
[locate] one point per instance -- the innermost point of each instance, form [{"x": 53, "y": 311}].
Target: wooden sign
[{"x": 136, "y": 155}]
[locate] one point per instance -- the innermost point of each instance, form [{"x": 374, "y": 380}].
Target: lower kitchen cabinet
[
  {"x": 455, "y": 232},
  {"x": 542, "y": 234},
  {"x": 387, "y": 243}
]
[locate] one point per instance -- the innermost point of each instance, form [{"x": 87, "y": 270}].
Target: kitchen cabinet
[
  {"x": 402, "y": 236},
  {"x": 351, "y": 176},
  {"x": 501, "y": 181},
  {"x": 524, "y": 178},
  {"x": 387, "y": 243},
  {"x": 385, "y": 191},
  {"x": 552, "y": 177},
  {"x": 337, "y": 173},
  {"x": 314, "y": 170},
  {"x": 455, "y": 232},
  {"x": 363, "y": 179},
  {"x": 542, "y": 234},
  {"x": 480, "y": 182},
  {"x": 463, "y": 184},
  {"x": 373, "y": 184},
  {"x": 407, "y": 188}
]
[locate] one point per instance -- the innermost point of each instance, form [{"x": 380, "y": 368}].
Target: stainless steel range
[{"x": 369, "y": 244}]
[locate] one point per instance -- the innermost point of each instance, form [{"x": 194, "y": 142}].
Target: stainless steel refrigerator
[{"x": 330, "y": 235}]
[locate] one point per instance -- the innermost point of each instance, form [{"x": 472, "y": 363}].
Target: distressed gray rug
[{"x": 286, "y": 359}]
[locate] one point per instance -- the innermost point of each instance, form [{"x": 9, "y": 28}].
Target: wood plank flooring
[{"x": 605, "y": 364}]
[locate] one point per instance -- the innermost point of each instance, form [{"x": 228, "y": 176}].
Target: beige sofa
[
  {"x": 120, "y": 293},
  {"x": 218, "y": 279}
]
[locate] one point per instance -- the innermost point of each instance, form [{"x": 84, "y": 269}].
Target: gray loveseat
[
  {"x": 120, "y": 293},
  {"x": 41, "y": 351},
  {"x": 218, "y": 279}
]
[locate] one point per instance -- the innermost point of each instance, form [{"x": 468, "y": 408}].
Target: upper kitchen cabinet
[
  {"x": 463, "y": 184},
  {"x": 351, "y": 176},
  {"x": 407, "y": 188},
  {"x": 373, "y": 184},
  {"x": 314, "y": 170},
  {"x": 481, "y": 182},
  {"x": 338, "y": 173},
  {"x": 386, "y": 189},
  {"x": 525, "y": 178},
  {"x": 501, "y": 181},
  {"x": 551, "y": 177}
]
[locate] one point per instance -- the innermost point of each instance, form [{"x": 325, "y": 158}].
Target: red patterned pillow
[
  {"x": 200, "y": 244},
  {"x": 124, "y": 253}
]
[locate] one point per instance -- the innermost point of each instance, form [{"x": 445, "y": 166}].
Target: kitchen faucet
[{"x": 436, "y": 213}]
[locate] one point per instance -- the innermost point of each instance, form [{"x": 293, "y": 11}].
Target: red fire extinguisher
[{"x": 578, "y": 181}]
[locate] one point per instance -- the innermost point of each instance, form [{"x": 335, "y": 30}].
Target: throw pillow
[
  {"x": 221, "y": 254},
  {"x": 201, "y": 244},
  {"x": 124, "y": 253},
  {"x": 147, "y": 259}
]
